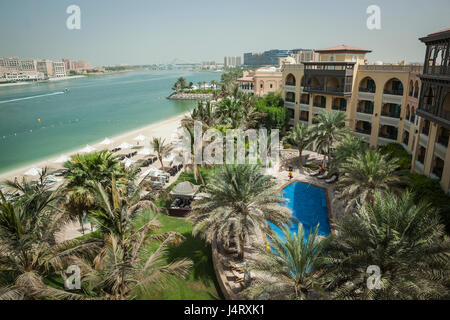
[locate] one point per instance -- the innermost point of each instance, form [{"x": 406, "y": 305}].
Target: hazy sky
[{"x": 153, "y": 31}]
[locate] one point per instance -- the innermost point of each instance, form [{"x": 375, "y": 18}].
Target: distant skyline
[{"x": 147, "y": 31}]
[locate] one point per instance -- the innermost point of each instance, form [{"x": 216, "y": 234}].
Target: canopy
[
  {"x": 125, "y": 145},
  {"x": 145, "y": 152},
  {"x": 140, "y": 138},
  {"x": 184, "y": 190},
  {"x": 62, "y": 159},
  {"x": 33, "y": 172},
  {"x": 87, "y": 149},
  {"x": 106, "y": 142}
]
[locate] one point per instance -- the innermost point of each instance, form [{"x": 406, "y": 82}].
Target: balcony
[
  {"x": 290, "y": 105},
  {"x": 289, "y": 88},
  {"x": 363, "y": 131},
  {"x": 334, "y": 78}
]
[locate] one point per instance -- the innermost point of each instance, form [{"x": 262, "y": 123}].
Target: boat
[{"x": 66, "y": 90}]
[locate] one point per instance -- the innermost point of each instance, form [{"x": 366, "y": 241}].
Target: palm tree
[
  {"x": 364, "y": 174},
  {"x": 117, "y": 270},
  {"x": 346, "y": 148},
  {"x": 241, "y": 202},
  {"x": 204, "y": 113},
  {"x": 213, "y": 84},
  {"x": 300, "y": 136},
  {"x": 406, "y": 241},
  {"x": 192, "y": 164},
  {"x": 162, "y": 149},
  {"x": 29, "y": 252},
  {"x": 291, "y": 268},
  {"x": 84, "y": 172},
  {"x": 180, "y": 84},
  {"x": 329, "y": 129},
  {"x": 229, "y": 111}
]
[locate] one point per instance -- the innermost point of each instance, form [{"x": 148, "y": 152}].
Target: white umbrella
[
  {"x": 145, "y": 152},
  {"x": 62, "y": 159},
  {"x": 87, "y": 149},
  {"x": 140, "y": 138},
  {"x": 125, "y": 145},
  {"x": 33, "y": 172},
  {"x": 106, "y": 142},
  {"x": 169, "y": 158},
  {"x": 128, "y": 162}
]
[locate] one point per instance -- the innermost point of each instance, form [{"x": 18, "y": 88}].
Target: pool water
[{"x": 309, "y": 207}]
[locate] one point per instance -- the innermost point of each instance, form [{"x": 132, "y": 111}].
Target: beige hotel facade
[{"x": 383, "y": 103}]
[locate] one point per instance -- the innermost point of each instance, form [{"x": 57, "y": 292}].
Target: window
[
  {"x": 261, "y": 86},
  {"x": 271, "y": 86}
]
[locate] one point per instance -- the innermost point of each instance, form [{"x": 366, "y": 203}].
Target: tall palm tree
[
  {"x": 241, "y": 202},
  {"x": 406, "y": 241},
  {"x": 204, "y": 113},
  {"x": 192, "y": 163},
  {"x": 117, "y": 270},
  {"x": 329, "y": 129},
  {"x": 291, "y": 269},
  {"x": 299, "y": 136},
  {"x": 364, "y": 174},
  {"x": 162, "y": 149},
  {"x": 229, "y": 111},
  {"x": 349, "y": 146},
  {"x": 84, "y": 172},
  {"x": 29, "y": 252}
]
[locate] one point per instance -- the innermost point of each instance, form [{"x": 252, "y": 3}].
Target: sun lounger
[
  {"x": 314, "y": 173},
  {"x": 332, "y": 179},
  {"x": 323, "y": 176}
]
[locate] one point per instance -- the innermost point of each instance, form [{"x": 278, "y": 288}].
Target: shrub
[
  {"x": 396, "y": 150},
  {"x": 430, "y": 190}
]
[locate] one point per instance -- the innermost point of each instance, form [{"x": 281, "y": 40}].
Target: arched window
[
  {"x": 367, "y": 85},
  {"x": 290, "y": 80},
  {"x": 394, "y": 87}
]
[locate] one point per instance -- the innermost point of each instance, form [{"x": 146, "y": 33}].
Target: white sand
[{"x": 163, "y": 129}]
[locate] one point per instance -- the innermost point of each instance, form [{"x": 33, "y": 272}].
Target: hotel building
[
  {"x": 232, "y": 61},
  {"x": 381, "y": 101},
  {"x": 261, "y": 81},
  {"x": 431, "y": 154}
]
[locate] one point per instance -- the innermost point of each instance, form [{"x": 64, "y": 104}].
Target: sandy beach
[{"x": 164, "y": 129}]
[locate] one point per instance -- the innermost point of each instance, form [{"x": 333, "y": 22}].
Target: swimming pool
[{"x": 309, "y": 207}]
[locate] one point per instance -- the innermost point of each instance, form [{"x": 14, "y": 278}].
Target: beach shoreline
[{"x": 163, "y": 128}]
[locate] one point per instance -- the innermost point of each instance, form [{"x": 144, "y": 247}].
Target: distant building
[
  {"x": 11, "y": 64},
  {"x": 268, "y": 58},
  {"x": 232, "y": 61},
  {"x": 262, "y": 81},
  {"x": 45, "y": 67},
  {"x": 208, "y": 65},
  {"x": 77, "y": 66},
  {"x": 28, "y": 65},
  {"x": 59, "y": 69}
]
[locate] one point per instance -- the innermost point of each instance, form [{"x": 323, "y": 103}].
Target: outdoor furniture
[
  {"x": 314, "y": 173},
  {"x": 184, "y": 193},
  {"x": 323, "y": 176},
  {"x": 332, "y": 179}
]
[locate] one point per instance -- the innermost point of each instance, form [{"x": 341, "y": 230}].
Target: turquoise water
[
  {"x": 94, "y": 108},
  {"x": 309, "y": 207}
]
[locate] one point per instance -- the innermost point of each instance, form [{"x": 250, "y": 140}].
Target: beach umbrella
[
  {"x": 124, "y": 145},
  {"x": 87, "y": 149},
  {"x": 33, "y": 172},
  {"x": 145, "y": 152},
  {"x": 62, "y": 159},
  {"x": 140, "y": 138},
  {"x": 106, "y": 142},
  {"x": 169, "y": 158},
  {"x": 128, "y": 162}
]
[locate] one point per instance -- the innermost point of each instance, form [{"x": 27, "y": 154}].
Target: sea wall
[{"x": 190, "y": 96}]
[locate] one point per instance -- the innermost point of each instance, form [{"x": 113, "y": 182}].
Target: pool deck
[{"x": 288, "y": 158}]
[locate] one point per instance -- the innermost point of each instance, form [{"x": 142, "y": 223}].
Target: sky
[{"x": 155, "y": 31}]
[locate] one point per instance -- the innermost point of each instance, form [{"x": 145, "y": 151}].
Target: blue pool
[{"x": 309, "y": 207}]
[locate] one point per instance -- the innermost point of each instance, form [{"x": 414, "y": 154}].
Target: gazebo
[{"x": 184, "y": 193}]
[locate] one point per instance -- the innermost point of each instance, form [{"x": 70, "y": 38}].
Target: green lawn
[{"x": 201, "y": 283}]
